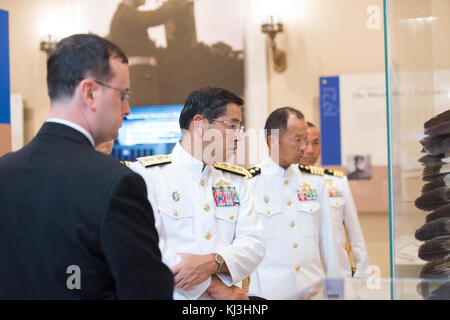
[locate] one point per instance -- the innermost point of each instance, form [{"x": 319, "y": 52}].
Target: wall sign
[{"x": 4, "y": 69}]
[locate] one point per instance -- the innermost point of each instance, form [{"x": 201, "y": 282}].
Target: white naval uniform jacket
[
  {"x": 188, "y": 219},
  {"x": 343, "y": 211},
  {"x": 298, "y": 234}
]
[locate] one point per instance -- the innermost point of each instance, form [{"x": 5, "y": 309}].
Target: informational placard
[
  {"x": 5, "y": 115},
  {"x": 363, "y": 120},
  {"x": 330, "y": 118},
  {"x": 4, "y": 69},
  {"x": 353, "y": 118}
]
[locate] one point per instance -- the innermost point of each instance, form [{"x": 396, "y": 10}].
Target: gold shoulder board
[
  {"x": 154, "y": 160},
  {"x": 335, "y": 173},
  {"x": 312, "y": 170},
  {"x": 127, "y": 163},
  {"x": 254, "y": 171},
  {"x": 232, "y": 168}
]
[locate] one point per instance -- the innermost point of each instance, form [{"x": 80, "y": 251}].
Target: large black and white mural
[{"x": 174, "y": 46}]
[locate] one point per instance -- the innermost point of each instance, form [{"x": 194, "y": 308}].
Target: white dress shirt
[
  {"x": 75, "y": 126},
  {"x": 189, "y": 220},
  {"x": 298, "y": 233},
  {"x": 343, "y": 212}
]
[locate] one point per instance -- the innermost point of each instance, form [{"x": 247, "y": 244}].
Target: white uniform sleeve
[
  {"x": 355, "y": 235},
  {"x": 247, "y": 250},
  {"x": 169, "y": 257},
  {"x": 327, "y": 241}
]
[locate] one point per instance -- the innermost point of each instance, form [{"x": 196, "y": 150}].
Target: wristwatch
[{"x": 219, "y": 260}]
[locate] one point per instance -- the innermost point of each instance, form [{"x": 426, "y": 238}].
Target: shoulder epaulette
[
  {"x": 127, "y": 163},
  {"x": 254, "y": 171},
  {"x": 312, "y": 170},
  {"x": 154, "y": 160},
  {"x": 335, "y": 173},
  {"x": 232, "y": 168}
]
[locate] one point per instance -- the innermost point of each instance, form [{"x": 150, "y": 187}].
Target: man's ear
[
  {"x": 198, "y": 123},
  {"x": 274, "y": 146},
  {"x": 273, "y": 141},
  {"x": 88, "y": 91}
]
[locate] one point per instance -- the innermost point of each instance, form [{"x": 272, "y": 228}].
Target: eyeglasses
[
  {"x": 124, "y": 94},
  {"x": 231, "y": 125}
]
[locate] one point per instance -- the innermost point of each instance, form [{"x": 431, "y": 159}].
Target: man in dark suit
[{"x": 75, "y": 223}]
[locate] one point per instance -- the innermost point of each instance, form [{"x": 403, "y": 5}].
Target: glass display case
[
  {"x": 376, "y": 289},
  {"x": 417, "y": 51}
]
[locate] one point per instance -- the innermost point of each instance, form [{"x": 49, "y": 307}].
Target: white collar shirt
[{"x": 75, "y": 126}]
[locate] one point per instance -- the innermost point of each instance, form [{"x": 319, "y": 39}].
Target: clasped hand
[{"x": 193, "y": 269}]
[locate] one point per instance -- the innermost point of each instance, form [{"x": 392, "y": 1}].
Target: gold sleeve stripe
[{"x": 246, "y": 284}]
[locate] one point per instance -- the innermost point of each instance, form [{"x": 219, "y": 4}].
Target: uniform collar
[
  {"x": 181, "y": 157},
  {"x": 270, "y": 167}
]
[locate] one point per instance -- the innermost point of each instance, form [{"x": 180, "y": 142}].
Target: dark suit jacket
[{"x": 64, "y": 204}]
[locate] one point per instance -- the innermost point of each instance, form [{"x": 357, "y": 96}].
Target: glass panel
[
  {"x": 375, "y": 289},
  {"x": 418, "y": 79}
]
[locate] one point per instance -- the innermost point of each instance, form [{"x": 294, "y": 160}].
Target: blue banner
[
  {"x": 330, "y": 121},
  {"x": 4, "y": 69}
]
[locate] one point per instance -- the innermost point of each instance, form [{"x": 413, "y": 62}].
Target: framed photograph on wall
[
  {"x": 359, "y": 167},
  {"x": 173, "y": 46}
]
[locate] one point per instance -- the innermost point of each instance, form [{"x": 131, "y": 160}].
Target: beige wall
[
  {"x": 326, "y": 38},
  {"x": 5, "y": 138},
  {"x": 375, "y": 228},
  {"x": 28, "y": 63}
]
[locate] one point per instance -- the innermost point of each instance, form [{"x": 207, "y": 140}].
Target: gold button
[
  {"x": 175, "y": 213},
  {"x": 289, "y": 202},
  {"x": 231, "y": 217},
  {"x": 268, "y": 211},
  {"x": 286, "y": 182},
  {"x": 297, "y": 268},
  {"x": 295, "y": 245},
  {"x": 208, "y": 236},
  {"x": 310, "y": 209},
  {"x": 202, "y": 183},
  {"x": 206, "y": 207},
  {"x": 292, "y": 224},
  {"x": 266, "y": 199}
]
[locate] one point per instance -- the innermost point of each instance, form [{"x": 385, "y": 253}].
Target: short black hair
[
  {"x": 77, "y": 57},
  {"x": 209, "y": 102},
  {"x": 278, "y": 120}
]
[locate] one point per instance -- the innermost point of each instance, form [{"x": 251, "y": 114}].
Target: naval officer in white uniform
[
  {"x": 294, "y": 210},
  {"x": 210, "y": 236},
  {"x": 350, "y": 242}
]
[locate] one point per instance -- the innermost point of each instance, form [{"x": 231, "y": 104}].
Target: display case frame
[{"x": 417, "y": 89}]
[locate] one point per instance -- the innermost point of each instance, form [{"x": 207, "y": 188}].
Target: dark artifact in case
[{"x": 435, "y": 196}]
